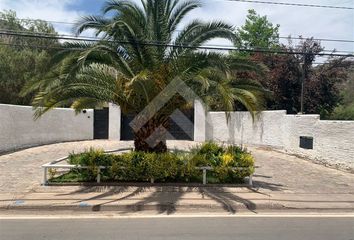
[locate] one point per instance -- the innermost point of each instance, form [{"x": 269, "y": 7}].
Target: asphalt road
[{"x": 219, "y": 228}]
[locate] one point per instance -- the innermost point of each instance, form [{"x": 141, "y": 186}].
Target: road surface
[{"x": 181, "y": 228}]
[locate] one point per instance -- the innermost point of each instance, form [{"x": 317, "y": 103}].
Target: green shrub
[
  {"x": 119, "y": 170},
  {"x": 93, "y": 158},
  {"x": 226, "y": 173},
  {"x": 343, "y": 113},
  {"x": 236, "y": 150},
  {"x": 165, "y": 167},
  {"x": 187, "y": 164},
  {"x": 209, "y": 154}
]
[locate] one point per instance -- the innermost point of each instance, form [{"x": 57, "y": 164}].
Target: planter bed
[
  {"x": 147, "y": 184},
  {"x": 209, "y": 163}
]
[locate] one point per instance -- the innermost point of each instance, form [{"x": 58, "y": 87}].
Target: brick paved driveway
[{"x": 21, "y": 171}]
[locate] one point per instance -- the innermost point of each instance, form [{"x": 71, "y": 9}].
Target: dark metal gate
[
  {"x": 181, "y": 126},
  {"x": 101, "y": 123},
  {"x": 126, "y": 130}
]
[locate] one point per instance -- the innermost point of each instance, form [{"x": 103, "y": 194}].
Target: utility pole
[{"x": 303, "y": 84}]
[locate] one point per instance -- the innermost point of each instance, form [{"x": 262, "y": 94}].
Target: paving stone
[{"x": 278, "y": 172}]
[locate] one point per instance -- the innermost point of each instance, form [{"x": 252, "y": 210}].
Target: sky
[{"x": 294, "y": 21}]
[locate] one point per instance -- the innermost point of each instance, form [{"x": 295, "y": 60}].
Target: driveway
[{"x": 277, "y": 172}]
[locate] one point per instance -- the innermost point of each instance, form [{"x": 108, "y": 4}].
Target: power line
[
  {"x": 292, "y": 4},
  {"x": 81, "y": 49},
  {"x": 228, "y": 48},
  {"x": 319, "y": 39},
  {"x": 280, "y": 37},
  {"x": 48, "y": 21},
  {"x": 89, "y": 38},
  {"x": 172, "y": 45},
  {"x": 39, "y": 46}
]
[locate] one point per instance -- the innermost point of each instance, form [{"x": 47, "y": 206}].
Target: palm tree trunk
[{"x": 152, "y": 136}]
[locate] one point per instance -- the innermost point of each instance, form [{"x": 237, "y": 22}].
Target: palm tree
[{"x": 141, "y": 51}]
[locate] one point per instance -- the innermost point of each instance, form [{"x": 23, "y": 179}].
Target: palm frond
[
  {"x": 197, "y": 33},
  {"x": 179, "y": 12},
  {"x": 135, "y": 61},
  {"x": 96, "y": 23}
]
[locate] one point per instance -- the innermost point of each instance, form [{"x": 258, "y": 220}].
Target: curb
[{"x": 168, "y": 207}]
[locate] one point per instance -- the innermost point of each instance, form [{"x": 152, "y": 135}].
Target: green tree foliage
[
  {"x": 132, "y": 65},
  {"x": 17, "y": 68},
  {"x": 285, "y": 71},
  {"x": 323, "y": 93},
  {"x": 347, "y": 88},
  {"x": 22, "y": 59},
  {"x": 10, "y": 23},
  {"x": 257, "y": 32},
  {"x": 345, "y": 111}
]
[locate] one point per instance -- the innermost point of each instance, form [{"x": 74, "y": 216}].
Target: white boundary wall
[
  {"x": 114, "y": 122},
  {"x": 19, "y": 130},
  {"x": 333, "y": 140}
]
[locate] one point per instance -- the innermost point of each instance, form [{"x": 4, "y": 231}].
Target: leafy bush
[
  {"x": 93, "y": 159},
  {"x": 224, "y": 159},
  {"x": 209, "y": 154},
  {"x": 343, "y": 113},
  {"x": 164, "y": 167}
]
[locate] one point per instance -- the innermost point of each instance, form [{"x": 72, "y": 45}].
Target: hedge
[{"x": 163, "y": 167}]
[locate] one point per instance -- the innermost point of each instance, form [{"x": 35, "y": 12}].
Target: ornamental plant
[
  {"x": 143, "y": 49},
  {"x": 138, "y": 166}
]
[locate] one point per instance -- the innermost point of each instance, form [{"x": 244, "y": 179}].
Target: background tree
[
  {"x": 18, "y": 67},
  {"x": 22, "y": 59},
  {"x": 323, "y": 92},
  {"x": 257, "y": 32},
  {"x": 10, "y": 23},
  {"x": 285, "y": 71},
  {"x": 345, "y": 111}
]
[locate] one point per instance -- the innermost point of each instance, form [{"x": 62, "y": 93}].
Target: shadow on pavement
[
  {"x": 163, "y": 199},
  {"x": 228, "y": 200}
]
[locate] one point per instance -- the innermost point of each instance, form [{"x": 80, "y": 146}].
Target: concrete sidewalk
[{"x": 170, "y": 200}]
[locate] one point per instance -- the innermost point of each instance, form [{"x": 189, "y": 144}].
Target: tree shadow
[
  {"x": 166, "y": 200},
  {"x": 227, "y": 199},
  {"x": 264, "y": 182},
  {"x": 263, "y": 185},
  {"x": 97, "y": 207},
  {"x": 107, "y": 191}
]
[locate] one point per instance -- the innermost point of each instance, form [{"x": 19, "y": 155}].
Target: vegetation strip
[{"x": 229, "y": 164}]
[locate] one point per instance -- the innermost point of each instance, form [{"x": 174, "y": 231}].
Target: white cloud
[
  {"x": 295, "y": 21},
  {"x": 305, "y": 21},
  {"x": 52, "y": 10}
]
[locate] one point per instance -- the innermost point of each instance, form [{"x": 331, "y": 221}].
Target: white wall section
[
  {"x": 19, "y": 130},
  {"x": 333, "y": 140},
  {"x": 200, "y": 123},
  {"x": 115, "y": 116}
]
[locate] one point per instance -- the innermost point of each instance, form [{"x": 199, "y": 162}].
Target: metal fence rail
[{"x": 55, "y": 165}]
